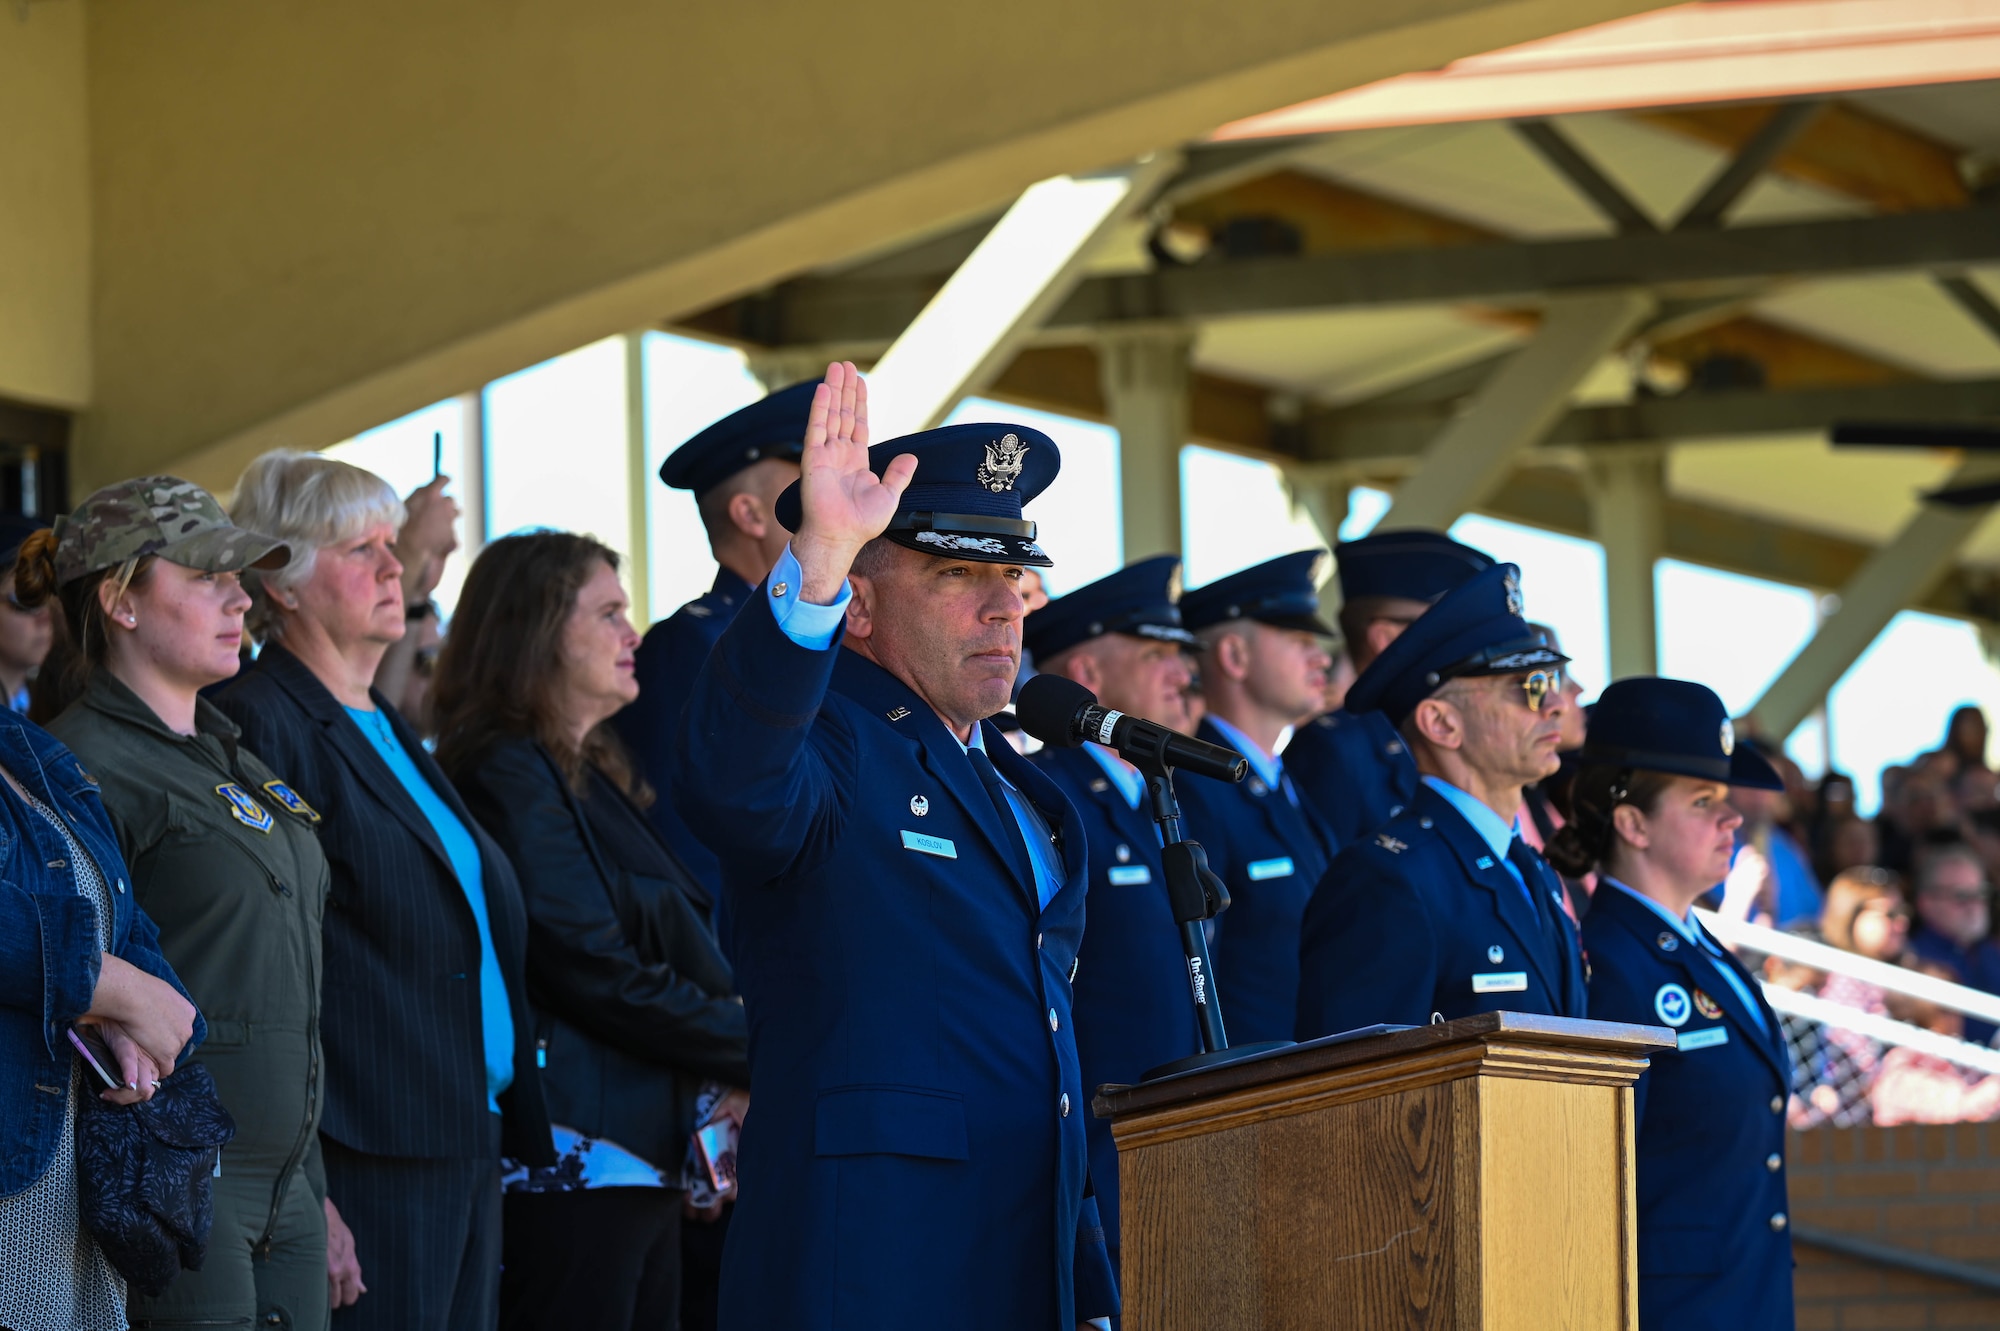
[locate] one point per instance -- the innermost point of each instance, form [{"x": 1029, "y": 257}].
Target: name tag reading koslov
[
  {"x": 1500, "y": 982},
  {"x": 930, "y": 845},
  {"x": 1704, "y": 1039},
  {"x": 1129, "y": 875},
  {"x": 1259, "y": 870}
]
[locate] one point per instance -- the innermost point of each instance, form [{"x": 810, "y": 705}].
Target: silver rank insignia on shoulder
[
  {"x": 248, "y": 811},
  {"x": 898, "y": 714},
  {"x": 698, "y": 611},
  {"x": 1667, "y": 941},
  {"x": 919, "y": 805},
  {"x": 288, "y": 800},
  {"x": 1391, "y": 844}
]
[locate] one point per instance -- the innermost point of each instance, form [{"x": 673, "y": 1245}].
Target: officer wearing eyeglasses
[{"x": 1444, "y": 910}]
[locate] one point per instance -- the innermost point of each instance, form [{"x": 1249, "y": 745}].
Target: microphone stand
[{"x": 1196, "y": 896}]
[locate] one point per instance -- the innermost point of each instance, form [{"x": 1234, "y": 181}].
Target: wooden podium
[{"x": 1475, "y": 1174}]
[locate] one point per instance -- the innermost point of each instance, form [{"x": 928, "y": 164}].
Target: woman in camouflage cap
[{"x": 223, "y": 857}]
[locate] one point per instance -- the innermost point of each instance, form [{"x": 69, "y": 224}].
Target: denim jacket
[{"x": 49, "y": 958}]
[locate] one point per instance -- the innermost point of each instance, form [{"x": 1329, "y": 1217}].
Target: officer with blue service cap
[
  {"x": 1352, "y": 767},
  {"x": 1264, "y": 659},
  {"x": 1650, "y": 815},
  {"x": 1445, "y": 910},
  {"x": 908, "y": 899},
  {"x": 1121, "y": 637},
  {"x": 737, "y": 468}
]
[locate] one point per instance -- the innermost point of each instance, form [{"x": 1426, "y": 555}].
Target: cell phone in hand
[
  {"x": 715, "y": 1144},
  {"x": 97, "y": 1055}
]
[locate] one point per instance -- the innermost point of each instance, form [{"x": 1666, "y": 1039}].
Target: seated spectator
[
  {"x": 75, "y": 950},
  {"x": 635, "y": 1008},
  {"x": 430, "y": 1062},
  {"x": 230, "y": 869},
  {"x": 1865, "y": 914},
  {"x": 1918, "y": 1087},
  {"x": 1791, "y": 893},
  {"x": 1976, "y": 789},
  {"x": 1916, "y": 804},
  {"x": 1851, "y": 843},
  {"x": 1954, "y": 919},
  {"x": 1965, "y": 738}
]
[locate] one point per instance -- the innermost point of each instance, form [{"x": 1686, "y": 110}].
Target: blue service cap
[
  {"x": 965, "y": 500},
  {"x": 1142, "y": 599},
  {"x": 1282, "y": 592},
  {"x": 1676, "y": 726},
  {"x": 1475, "y": 629},
  {"x": 771, "y": 427},
  {"x": 1413, "y": 564}
]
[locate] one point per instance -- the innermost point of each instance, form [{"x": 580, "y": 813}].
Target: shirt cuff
[{"x": 813, "y": 627}]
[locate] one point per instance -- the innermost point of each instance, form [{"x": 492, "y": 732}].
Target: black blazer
[
  {"x": 405, "y": 1058},
  {"x": 634, "y": 1004}
]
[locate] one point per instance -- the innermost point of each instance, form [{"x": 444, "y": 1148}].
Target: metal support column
[
  {"x": 1892, "y": 578},
  {"x": 1145, "y": 375},
  {"x": 1627, "y": 489},
  {"x": 638, "y": 478},
  {"x": 1515, "y": 408}
]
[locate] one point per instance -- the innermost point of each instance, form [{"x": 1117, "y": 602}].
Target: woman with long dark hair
[
  {"x": 1649, "y": 813},
  {"x": 636, "y": 1018}
]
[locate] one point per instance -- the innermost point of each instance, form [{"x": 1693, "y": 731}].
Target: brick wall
[{"x": 1927, "y": 1189}]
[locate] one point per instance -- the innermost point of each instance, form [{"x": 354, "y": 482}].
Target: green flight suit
[{"x": 225, "y": 860}]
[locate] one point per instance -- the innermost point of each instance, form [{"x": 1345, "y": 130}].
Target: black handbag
[{"x": 143, "y": 1176}]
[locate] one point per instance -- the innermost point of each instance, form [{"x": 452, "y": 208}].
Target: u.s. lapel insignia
[
  {"x": 1707, "y": 1006},
  {"x": 898, "y": 714},
  {"x": 1667, "y": 941},
  {"x": 248, "y": 811},
  {"x": 288, "y": 800}
]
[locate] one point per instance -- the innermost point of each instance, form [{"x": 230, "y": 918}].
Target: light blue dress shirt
[
  {"x": 1494, "y": 830},
  {"x": 496, "y": 1018},
  {"x": 814, "y": 627},
  {"x": 1702, "y": 943},
  {"x": 1128, "y": 780},
  {"x": 1267, "y": 766}
]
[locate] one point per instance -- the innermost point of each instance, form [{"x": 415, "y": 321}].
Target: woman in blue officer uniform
[{"x": 1650, "y": 813}]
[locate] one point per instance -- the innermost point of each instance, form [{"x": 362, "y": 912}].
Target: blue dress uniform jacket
[
  {"x": 1715, "y": 1245},
  {"x": 1353, "y": 770},
  {"x": 1270, "y": 854},
  {"x": 1422, "y": 918},
  {"x": 1134, "y": 1009},
  {"x": 916, "y": 1155},
  {"x": 665, "y": 666}
]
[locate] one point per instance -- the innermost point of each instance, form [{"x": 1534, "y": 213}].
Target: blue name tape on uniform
[
  {"x": 1714, "y": 1035},
  {"x": 930, "y": 845},
  {"x": 1129, "y": 875},
  {"x": 1263, "y": 869},
  {"x": 1500, "y": 982}
]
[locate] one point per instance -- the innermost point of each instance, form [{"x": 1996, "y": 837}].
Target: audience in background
[
  {"x": 636, "y": 1016},
  {"x": 25, "y": 632},
  {"x": 1916, "y": 1086},
  {"x": 1954, "y": 924},
  {"x": 429, "y": 1044}
]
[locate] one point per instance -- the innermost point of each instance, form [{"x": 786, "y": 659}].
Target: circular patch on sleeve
[{"x": 1672, "y": 1005}]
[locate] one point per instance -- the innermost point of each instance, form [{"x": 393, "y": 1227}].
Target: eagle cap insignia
[
  {"x": 1513, "y": 585},
  {"x": 1728, "y": 738},
  {"x": 1003, "y": 463}
]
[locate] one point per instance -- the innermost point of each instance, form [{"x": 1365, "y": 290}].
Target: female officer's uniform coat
[
  {"x": 1715, "y": 1244},
  {"x": 915, "y": 1153},
  {"x": 225, "y": 860}
]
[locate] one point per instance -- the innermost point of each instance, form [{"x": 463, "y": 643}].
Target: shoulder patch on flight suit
[
  {"x": 247, "y": 811},
  {"x": 288, "y": 800},
  {"x": 1391, "y": 844}
]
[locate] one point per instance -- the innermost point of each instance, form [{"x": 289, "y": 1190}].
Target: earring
[{"x": 131, "y": 620}]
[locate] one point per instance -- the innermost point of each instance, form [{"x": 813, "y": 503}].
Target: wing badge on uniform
[{"x": 1391, "y": 844}]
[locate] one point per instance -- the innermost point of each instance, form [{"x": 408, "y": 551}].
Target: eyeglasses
[{"x": 1540, "y": 685}]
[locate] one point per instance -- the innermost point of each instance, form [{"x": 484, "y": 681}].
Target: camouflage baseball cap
[{"x": 158, "y": 515}]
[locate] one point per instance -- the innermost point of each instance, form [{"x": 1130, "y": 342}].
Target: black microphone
[{"x": 1063, "y": 714}]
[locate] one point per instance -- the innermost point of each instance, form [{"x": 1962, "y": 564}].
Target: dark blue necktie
[{"x": 996, "y": 790}]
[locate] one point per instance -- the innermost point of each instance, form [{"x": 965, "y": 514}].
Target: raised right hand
[
  {"x": 843, "y": 505},
  {"x": 151, "y": 1011}
]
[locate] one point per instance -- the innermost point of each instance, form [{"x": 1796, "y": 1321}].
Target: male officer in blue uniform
[
  {"x": 1352, "y": 767},
  {"x": 908, "y": 899},
  {"x": 737, "y": 468},
  {"x": 1444, "y": 910},
  {"x": 1121, "y": 638},
  {"x": 1709, "y": 1115},
  {"x": 1264, "y": 660}
]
